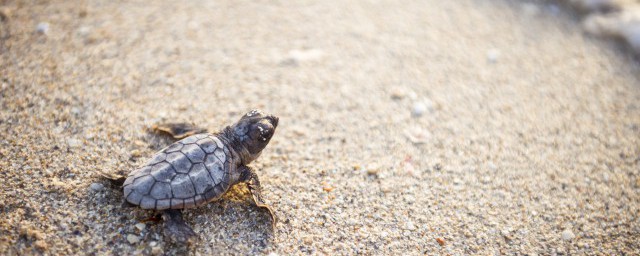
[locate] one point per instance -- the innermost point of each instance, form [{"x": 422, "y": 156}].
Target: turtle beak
[{"x": 273, "y": 120}]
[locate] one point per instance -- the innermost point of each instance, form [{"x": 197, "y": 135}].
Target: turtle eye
[{"x": 264, "y": 132}]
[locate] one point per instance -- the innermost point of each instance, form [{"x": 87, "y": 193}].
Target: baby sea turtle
[{"x": 199, "y": 169}]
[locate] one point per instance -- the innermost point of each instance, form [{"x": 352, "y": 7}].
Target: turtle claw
[
  {"x": 176, "y": 230},
  {"x": 177, "y": 130}
]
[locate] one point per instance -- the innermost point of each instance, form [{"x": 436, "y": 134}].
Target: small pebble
[
  {"x": 4, "y": 13},
  {"x": 305, "y": 55},
  {"x": 133, "y": 238},
  {"x": 58, "y": 185},
  {"x": 417, "y": 135},
  {"x": 156, "y": 250},
  {"x": 73, "y": 143},
  {"x": 410, "y": 226},
  {"x": 135, "y": 153},
  {"x": 493, "y": 55},
  {"x": 373, "y": 169},
  {"x": 42, "y": 28},
  {"x": 492, "y": 166},
  {"x": 568, "y": 235},
  {"x": 141, "y": 226},
  {"x": 398, "y": 93},
  {"x": 82, "y": 13},
  {"x": 410, "y": 170},
  {"x": 84, "y": 31},
  {"x": 96, "y": 187},
  {"x": 296, "y": 56},
  {"x": 299, "y": 130},
  {"x": 58, "y": 130},
  {"x": 421, "y": 107},
  {"x": 308, "y": 240},
  {"x": 418, "y": 109},
  {"x": 41, "y": 245}
]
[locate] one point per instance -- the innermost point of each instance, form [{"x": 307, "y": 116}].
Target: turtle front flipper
[
  {"x": 257, "y": 198},
  {"x": 178, "y": 130},
  {"x": 176, "y": 229},
  {"x": 253, "y": 183}
]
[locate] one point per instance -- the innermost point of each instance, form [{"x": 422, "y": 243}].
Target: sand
[{"x": 406, "y": 128}]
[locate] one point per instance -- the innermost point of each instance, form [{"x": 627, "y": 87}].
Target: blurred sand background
[{"x": 423, "y": 127}]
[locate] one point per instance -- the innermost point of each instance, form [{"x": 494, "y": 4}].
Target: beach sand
[{"x": 406, "y": 128}]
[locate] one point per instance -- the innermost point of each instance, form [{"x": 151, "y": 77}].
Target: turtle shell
[{"x": 188, "y": 173}]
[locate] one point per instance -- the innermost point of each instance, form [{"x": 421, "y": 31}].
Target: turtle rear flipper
[
  {"x": 177, "y": 130},
  {"x": 175, "y": 229},
  {"x": 116, "y": 179}
]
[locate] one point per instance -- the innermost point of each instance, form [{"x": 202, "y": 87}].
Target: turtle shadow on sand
[{"x": 200, "y": 168}]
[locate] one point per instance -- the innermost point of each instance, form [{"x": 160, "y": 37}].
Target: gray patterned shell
[{"x": 188, "y": 173}]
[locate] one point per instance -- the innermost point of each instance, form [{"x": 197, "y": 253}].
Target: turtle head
[{"x": 253, "y": 132}]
